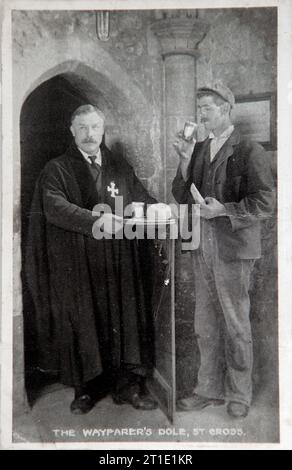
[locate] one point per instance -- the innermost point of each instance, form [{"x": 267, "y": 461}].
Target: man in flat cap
[{"x": 234, "y": 177}]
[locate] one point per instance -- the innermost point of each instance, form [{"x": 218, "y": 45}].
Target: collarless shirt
[
  {"x": 87, "y": 155},
  {"x": 215, "y": 145},
  {"x": 217, "y": 142}
]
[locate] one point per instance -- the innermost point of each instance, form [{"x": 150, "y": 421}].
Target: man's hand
[
  {"x": 183, "y": 147},
  {"x": 110, "y": 224},
  {"x": 212, "y": 208}
]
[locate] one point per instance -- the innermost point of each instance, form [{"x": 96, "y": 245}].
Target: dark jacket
[{"x": 243, "y": 182}]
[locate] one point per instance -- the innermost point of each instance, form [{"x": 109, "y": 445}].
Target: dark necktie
[{"x": 96, "y": 171}]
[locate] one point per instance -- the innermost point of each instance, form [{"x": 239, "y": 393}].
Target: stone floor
[{"x": 50, "y": 420}]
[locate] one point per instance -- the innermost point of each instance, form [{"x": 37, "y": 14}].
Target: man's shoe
[
  {"x": 197, "y": 402},
  {"x": 139, "y": 402},
  {"x": 237, "y": 410},
  {"x": 88, "y": 394},
  {"x": 82, "y": 404}
]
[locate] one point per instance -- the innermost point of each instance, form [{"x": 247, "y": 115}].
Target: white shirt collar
[
  {"x": 86, "y": 156},
  {"x": 225, "y": 134}
]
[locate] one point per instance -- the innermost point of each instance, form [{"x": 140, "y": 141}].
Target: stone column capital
[{"x": 180, "y": 35}]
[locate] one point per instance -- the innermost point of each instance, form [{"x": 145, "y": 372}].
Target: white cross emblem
[{"x": 112, "y": 189}]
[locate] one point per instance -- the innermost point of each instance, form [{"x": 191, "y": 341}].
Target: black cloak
[{"x": 89, "y": 295}]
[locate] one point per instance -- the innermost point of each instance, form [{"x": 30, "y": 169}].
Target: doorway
[{"x": 44, "y": 134}]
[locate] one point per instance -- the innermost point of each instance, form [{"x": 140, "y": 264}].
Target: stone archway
[{"x": 78, "y": 83}]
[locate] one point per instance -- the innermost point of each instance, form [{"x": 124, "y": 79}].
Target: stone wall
[{"x": 241, "y": 50}]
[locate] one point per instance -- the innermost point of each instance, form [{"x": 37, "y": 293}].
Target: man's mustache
[{"x": 89, "y": 141}]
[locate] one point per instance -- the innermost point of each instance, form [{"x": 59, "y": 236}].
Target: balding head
[{"x": 87, "y": 109}]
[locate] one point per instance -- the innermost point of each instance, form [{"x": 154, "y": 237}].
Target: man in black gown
[{"x": 92, "y": 325}]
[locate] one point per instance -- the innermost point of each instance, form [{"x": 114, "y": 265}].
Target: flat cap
[{"x": 219, "y": 89}]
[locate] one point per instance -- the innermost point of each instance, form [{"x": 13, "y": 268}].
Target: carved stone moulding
[{"x": 180, "y": 35}]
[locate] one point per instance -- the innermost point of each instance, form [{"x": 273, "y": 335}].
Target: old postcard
[{"x": 133, "y": 313}]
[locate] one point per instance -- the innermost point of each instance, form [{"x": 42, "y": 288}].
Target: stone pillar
[
  {"x": 179, "y": 34},
  {"x": 179, "y": 37}
]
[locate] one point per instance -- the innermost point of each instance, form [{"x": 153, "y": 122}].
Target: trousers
[{"x": 222, "y": 323}]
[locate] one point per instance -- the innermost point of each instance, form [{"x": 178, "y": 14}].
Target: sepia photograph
[{"x": 140, "y": 184}]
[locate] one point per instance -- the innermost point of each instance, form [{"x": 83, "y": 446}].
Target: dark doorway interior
[{"x": 45, "y": 134}]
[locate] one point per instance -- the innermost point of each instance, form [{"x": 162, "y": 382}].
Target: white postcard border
[{"x": 284, "y": 217}]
